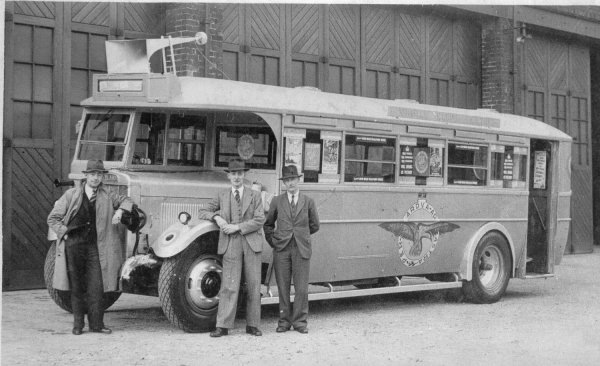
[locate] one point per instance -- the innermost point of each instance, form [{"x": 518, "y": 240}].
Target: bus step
[
  {"x": 532, "y": 276},
  {"x": 367, "y": 292}
]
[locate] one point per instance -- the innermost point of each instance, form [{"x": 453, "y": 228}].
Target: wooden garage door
[
  {"x": 423, "y": 57},
  {"x": 254, "y": 43},
  {"x": 31, "y": 138},
  {"x": 557, "y": 80},
  {"x": 53, "y": 49}
]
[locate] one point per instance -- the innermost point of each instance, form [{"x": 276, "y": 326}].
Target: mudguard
[
  {"x": 466, "y": 264},
  {"x": 178, "y": 236}
]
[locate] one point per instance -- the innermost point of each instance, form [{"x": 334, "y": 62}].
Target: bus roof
[{"x": 218, "y": 94}]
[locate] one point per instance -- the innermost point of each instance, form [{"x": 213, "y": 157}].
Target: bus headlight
[{"x": 184, "y": 218}]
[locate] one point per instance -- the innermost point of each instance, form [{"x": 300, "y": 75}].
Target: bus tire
[
  {"x": 188, "y": 288},
  {"x": 491, "y": 270},
  {"x": 63, "y": 298}
]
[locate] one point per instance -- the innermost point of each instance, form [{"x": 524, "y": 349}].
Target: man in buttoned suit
[
  {"x": 240, "y": 214},
  {"x": 297, "y": 219}
]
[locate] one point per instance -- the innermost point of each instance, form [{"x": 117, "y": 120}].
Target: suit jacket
[
  {"x": 253, "y": 217},
  {"x": 301, "y": 225}
]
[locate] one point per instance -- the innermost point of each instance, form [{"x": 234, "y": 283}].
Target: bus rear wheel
[
  {"x": 63, "y": 298},
  {"x": 491, "y": 270},
  {"x": 188, "y": 288}
]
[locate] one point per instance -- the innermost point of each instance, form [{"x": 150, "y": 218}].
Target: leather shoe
[
  {"x": 101, "y": 330},
  {"x": 219, "y": 332},
  {"x": 281, "y": 329},
  {"x": 302, "y": 330},
  {"x": 77, "y": 331},
  {"x": 254, "y": 331}
]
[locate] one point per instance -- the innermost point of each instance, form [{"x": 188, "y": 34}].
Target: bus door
[{"x": 539, "y": 220}]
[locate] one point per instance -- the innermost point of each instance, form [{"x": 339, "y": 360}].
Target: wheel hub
[
  {"x": 490, "y": 264},
  {"x": 204, "y": 283}
]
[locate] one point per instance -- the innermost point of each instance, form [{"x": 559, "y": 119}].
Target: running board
[
  {"x": 538, "y": 275},
  {"x": 331, "y": 294}
]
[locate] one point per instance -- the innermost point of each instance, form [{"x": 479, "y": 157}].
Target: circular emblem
[
  {"x": 421, "y": 162},
  {"x": 415, "y": 252},
  {"x": 246, "y": 147}
]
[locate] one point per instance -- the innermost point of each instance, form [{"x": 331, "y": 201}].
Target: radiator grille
[{"x": 170, "y": 211}]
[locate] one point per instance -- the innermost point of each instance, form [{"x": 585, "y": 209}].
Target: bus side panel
[{"x": 364, "y": 233}]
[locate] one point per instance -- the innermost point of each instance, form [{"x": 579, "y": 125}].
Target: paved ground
[{"x": 538, "y": 322}]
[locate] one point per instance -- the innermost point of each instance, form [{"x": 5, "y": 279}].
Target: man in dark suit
[
  {"x": 240, "y": 214},
  {"x": 297, "y": 219}
]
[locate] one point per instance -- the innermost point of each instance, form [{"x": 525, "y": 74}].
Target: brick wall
[
  {"x": 497, "y": 65},
  {"x": 185, "y": 20}
]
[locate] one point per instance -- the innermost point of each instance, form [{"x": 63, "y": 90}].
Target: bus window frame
[
  {"x": 126, "y": 140},
  {"x": 344, "y": 160},
  {"x": 166, "y": 140},
  {"x": 487, "y": 166}
]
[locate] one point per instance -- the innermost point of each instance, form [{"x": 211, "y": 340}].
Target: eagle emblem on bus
[{"x": 419, "y": 233}]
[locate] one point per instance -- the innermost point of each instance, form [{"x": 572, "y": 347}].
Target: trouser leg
[
  {"x": 230, "y": 284},
  {"x": 95, "y": 288},
  {"x": 300, "y": 274},
  {"x": 252, "y": 268},
  {"x": 76, "y": 267},
  {"x": 282, "y": 265}
]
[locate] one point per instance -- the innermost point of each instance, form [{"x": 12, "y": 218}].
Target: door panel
[
  {"x": 557, "y": 79},
  {"x": 306, "y": 41},
  {"x": 52, "y": 51}
]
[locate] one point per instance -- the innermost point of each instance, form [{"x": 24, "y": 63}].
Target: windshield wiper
[{"x": 105, "y": 118}]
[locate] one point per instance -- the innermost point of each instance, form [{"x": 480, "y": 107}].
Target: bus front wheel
[
  {"x": 491, "y": 270},
  {"x": 188, "y": 288},
  {"x": 63, "y": 298}
]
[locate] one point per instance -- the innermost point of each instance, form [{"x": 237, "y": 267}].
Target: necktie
[
  {"x": 293, "y": 206},
  {"x": 237, "y": 196},
  {"x": 93, "y": 198}
]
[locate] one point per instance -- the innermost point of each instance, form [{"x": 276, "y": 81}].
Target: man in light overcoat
[
  {"x": 90, "y": 245},
  {"x": 240, "y": 214},
  {"x": 297, "y": 219}
]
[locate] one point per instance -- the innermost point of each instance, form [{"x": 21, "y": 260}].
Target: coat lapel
[
  {"x": 246, "y": 199},
  {"x": 300, "y": 204},
  {"x": 285, "y": 202},
  {"x": 226, "y": 206}
]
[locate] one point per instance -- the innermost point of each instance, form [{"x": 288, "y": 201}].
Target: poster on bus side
[{"x": 331, "y": 150}]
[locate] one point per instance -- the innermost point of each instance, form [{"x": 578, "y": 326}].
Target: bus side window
[
  {"x": 370, "y": 159},
  {"x": 315, "y": 153},
  {"x": 508, "y": 166},
  {"x": 421, "y": 161},
  {"x": 255, "y": 144},
  {"x": 467, "y": 164}
]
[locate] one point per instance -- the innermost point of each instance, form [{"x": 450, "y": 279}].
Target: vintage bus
[{"x": 411, "y": 197}]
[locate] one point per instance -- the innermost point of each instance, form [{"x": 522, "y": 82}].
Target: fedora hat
[
  {"x": 95, "y": 166},
  {"x": 290, "y": 171},
  {"x": 235, "y": 165}
]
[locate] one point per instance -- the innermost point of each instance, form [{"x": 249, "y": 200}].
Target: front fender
[
  {"x": 466, "y": 266},
  {"x": 178, "y": 236}
]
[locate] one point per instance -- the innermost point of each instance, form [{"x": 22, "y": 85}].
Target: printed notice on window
[
  {"x": 539, "y": 174},
  {"x": 312, "y": 156},
  {"x": 331, "y": 150}
]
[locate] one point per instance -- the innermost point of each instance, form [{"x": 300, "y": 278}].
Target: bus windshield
[{"x": 103, "y": 136}]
